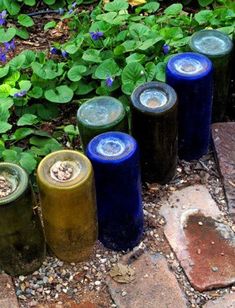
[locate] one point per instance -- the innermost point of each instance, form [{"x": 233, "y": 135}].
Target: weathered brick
[
  {"x": 226, "y": 301},
  {"x": 154, "y": 286},
  {"x": 224, "y": 144},
  {"x": 204, "y": 246},
  {"x": 7, "y": 293}
]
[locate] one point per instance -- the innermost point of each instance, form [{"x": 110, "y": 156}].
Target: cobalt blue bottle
[
  {"x": 190, "y": 74},
  {"x": 115, "y": 160}
]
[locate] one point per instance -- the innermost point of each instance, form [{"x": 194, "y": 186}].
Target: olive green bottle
[
  {"x": 99, "y": 115},
  {"x": 68, "y": 202},
  {"x": 155, "y": 127},
  {"x": 217, "y": 46},
  {"x": 22, "y": 244}
]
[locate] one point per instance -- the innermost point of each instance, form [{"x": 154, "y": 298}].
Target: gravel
[{"x": 59, "y": 282}]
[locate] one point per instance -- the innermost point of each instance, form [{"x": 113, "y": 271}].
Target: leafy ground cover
[{"x": 109, "y": 50}]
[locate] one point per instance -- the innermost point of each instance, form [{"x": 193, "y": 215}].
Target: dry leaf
[
  {"x": 136, "y": 2},
  {"x": 122, "y": 273}
]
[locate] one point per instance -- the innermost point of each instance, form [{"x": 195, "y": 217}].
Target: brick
[
  {"x": 226, "y": 301},
  {"x": 224, "y": 144},
  {"x": 154, "y": 286},
  {"x": 204, "y": 245},
  {"x": 7, "y": 292}
]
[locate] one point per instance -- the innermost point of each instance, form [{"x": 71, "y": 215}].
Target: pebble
[{"x": 97, "y": 283}]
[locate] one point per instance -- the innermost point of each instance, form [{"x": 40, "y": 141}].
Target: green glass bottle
[
  {"x": 99, "y": 115},
  {"x": 217, "y": 46},
  {"x": 22, "y": 244}
]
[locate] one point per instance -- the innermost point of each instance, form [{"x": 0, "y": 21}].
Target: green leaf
[
  {"x": 4, "y": 127},
  {"x": 27, "y": 119},
  {"x": 5, "y": 90},
  {"x": 47, "y": 111},
  {"x": 45, "y": 145},
  {"x": 6, "y": 36},
  {"x": 50, "y": 70},
  {"x": 161, "y": 71},
  {"x": 150, "y": 7},
  {"x": 49, "y": 25},
  {"x": 23, "y": 132},
  {"x": 205, "y": 2},
  {"x": 22, "y": 33},
  {"x": 149, "y": 43},
  {"x": 4, "y": 71},
  {"x": 30, "y": 57},
  {"x": 92, "y": 55},
  {"x": 12, "y": 6},
  {"x": 133, "y": 74},
  {"x": 85, "y": 87},
  {"x": 25, "y": 85},
  {"x": 36, "y": 92},
  {"x": 5, "y": 105},
  {"x": 61, "y": 94},
  {"x": 150, "y": 69},
  {"x": 108, "y": 68},
  {"x": 136, "y": 57},
  {"x": 17, "y": 62},
  {"x": 71, "y": 130},
  {"x": 25, "y": 20},
  {"x": 116, "y": 5},
  {"x": 75, "y": 73},
  {"x": 10, "y": 156},
  {"x": 174, "y": 9},
  {"x": 28, "y": 162},
  {"x": 12, "y": 79},
  {"x": 203, "y": 16}
]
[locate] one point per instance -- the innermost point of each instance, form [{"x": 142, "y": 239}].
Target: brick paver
[
  {"x": 155, "y": 286},
  {"x": 226, "y": 301},
  {"x": 204, "y": 245},
  {"x": 223, "y": 135},
  {"x": 7, "y": 292}
]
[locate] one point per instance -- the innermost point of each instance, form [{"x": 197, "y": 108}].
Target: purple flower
[
  {"x": 96, "y": 35},
  {"x": 3, "y": 57},
  {"x": 109, "y": 81},
  {"x": 64, "y": 54},
  {"x": 70, "y": 11},
  {"x": 20, "y": 94},
  {"x": 166, "y": 48},
  {"x": 3, "y": 15},
  {"x": 54, "y": 51},
  {"x": 10, "y": 45},
  {"x": 74, "y": 5}
]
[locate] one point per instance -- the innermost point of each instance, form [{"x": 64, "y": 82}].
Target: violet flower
[
  {"x": 3, "y": 15},
  {"x": 3, "y": 57},
  {"x": 10, "y": 45},
  {"x": 54, "y": 51},
  {"x": 74, "y": 5},
  {"x": 96, "y": 35},
  {"x": 166, "y": 48},
  {"x": 109, "y": 81},
  {"x": 20, "y": 94},
  {"x": 64, "y": 54}
]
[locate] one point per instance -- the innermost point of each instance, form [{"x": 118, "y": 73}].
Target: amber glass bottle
[
  {"x": 22, "y": 244},
  {"x": 67, "y": 193}
]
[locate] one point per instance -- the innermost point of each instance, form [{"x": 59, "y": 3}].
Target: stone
[
  {"x": 206, "y": 251},
  {"x": 154, "y": 285},
  {"x": 226, "y": 301},
  {"x": 224, "y": 145},
  {"x": 7, "y": 293}
]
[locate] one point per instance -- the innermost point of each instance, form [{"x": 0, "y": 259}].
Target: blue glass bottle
[
  {"x": 190, "y": 74},
  {"x": 115, "y": 160}
]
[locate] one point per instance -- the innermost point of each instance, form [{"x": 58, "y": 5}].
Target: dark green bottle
[
  {"x": 217, "y": 46},
  {"x": 154, "y": 126},
  {"x": 99, "y": 115},
  {"x": 22, "y": 244}
]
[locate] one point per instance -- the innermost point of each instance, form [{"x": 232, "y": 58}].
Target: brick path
[{"x": 197, "y": 232}]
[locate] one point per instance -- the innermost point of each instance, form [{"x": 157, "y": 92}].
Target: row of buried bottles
[{"x": 70, "y": 203}]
